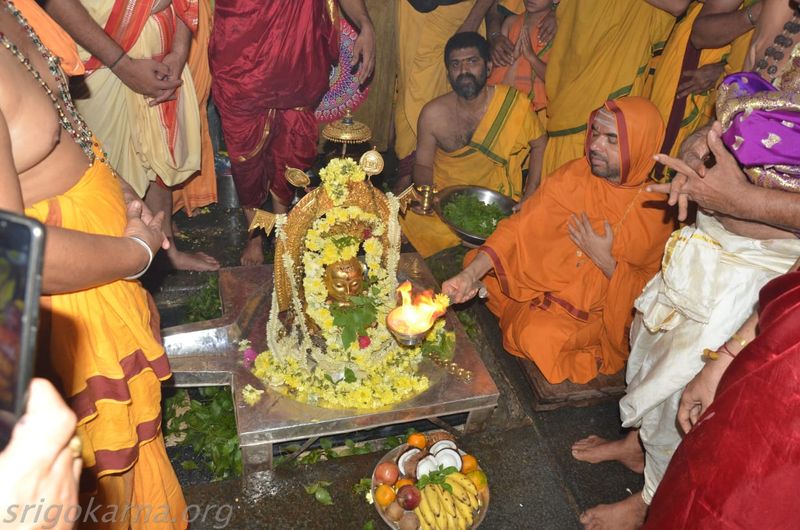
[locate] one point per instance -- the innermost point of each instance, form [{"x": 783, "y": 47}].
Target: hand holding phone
[
  {"x": 39, "y": 467},
  {"x": 21, "y": 247}
]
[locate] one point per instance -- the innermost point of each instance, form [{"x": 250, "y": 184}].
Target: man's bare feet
[
  {"x": 624, "y": 515},
  {"x": 191, "y": 261},
  {"x": 627, "y": 451},
  {"x": 253, "y": 253}
]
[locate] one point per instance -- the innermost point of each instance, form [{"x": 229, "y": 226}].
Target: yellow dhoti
[
  {"x": 601, "y": 52},
  {"x": 142, "y": 142},
  {"x": 493, "y": 159},
  {"x": 421, "y": 74},
  {"x": 103, "y": 348},
  {"x": 680, "y": 56}
]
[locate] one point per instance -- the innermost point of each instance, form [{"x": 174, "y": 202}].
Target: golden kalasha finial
[
  {"x": 371, "y": 162},
  {"x": 262, "y": 220}
]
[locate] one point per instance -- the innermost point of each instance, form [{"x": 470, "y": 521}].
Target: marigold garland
[{"x": 373, "y": 371}]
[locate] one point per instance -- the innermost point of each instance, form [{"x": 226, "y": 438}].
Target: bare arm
[
  {"x": 144, "y": 76},
  {"x": 535, "y": 171},
  {"x": 501, "y": 48},
  {"x": 426, "y": 146},
  {"x": 476, "y": 15},
  {"x": 673, "y": 7},
  {"x": 721, "y": 21},
  {"x": 76, "y": 260},
  {"x": 364, "y": 47}
]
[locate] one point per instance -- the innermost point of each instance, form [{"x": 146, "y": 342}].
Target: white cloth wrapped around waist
[{"x": 707, "y": 288}]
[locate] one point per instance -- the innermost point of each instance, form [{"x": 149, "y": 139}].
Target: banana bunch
[{"x": 440, "y": 509}]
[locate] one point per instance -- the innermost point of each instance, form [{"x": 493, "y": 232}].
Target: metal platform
[{"x": 206, "y": 353}]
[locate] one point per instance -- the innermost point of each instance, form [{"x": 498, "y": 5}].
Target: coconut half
[
  {"x": 426, "y": 466},
  {"x": 448, "y": 457},
  {"x": 443, "y": 444},
  {"x": 407, "y": 462}
]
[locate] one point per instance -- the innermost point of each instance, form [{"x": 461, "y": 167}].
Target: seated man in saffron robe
[
  {"x": 474, "y": 135},
  {"x": 562, "y": 273}
]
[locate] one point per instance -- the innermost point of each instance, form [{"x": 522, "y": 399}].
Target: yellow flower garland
[{"x": 363, "y": 376}]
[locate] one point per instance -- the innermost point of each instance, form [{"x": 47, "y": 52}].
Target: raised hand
[
  {"x": 596, "y": 246},
  {"x": 548, "y": 27},
  {"x": 719, "y": 189}
]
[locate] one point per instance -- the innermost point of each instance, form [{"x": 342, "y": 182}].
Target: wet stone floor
[{"x": 533, "y": 479}]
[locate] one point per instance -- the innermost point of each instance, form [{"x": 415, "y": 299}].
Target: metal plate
[
  {"x": 206, "y": 353},
  {"x": 485, "y": 195},
  {"x": 392, "y": 456}
]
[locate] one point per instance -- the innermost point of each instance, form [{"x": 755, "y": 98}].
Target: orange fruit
[
  {"x": 478, "y": 478},
  {"x": 403, "y": 482},
  {"x": 384, "y": 495},
  {"x": 417, "y": 439},
  {"x": 468, "y": 463}
]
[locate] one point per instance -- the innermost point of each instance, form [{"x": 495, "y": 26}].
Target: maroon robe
[
  {"x": 739, "y": 467},
  {"x": 270, "y": 61}
]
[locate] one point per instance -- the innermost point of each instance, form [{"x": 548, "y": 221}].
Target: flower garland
[
  {"x": 372, "y": 371},
  {"x": 324, "y": 249},
  {"x": 337, "y": 175}
]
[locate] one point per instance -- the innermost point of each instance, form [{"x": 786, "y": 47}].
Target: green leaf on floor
[
  {"x": 205, "y": 304},
  {"x": 208, "y": 426}
]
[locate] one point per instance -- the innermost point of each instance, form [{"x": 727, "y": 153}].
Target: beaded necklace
[
  {"x": 776, "y": 51},
  {"x": 76, "y": 126}
]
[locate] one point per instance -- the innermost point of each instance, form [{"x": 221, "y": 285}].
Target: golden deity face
[{"x": 343, "y": 280}]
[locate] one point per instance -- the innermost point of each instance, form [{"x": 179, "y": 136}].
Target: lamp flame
[{"x": 417, "y": 317}]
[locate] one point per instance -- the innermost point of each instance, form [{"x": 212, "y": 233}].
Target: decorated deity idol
[{"x": 336, "y": 259}]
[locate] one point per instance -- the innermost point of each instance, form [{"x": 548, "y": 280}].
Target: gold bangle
[{"x": 738, "y": 338}]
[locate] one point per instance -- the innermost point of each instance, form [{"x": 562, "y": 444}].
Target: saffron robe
[
  {"x": 556, "y": 307},
  {"x": 104, "y": 348},
  {"x": 600, "y": 52},
  {"x": 493, "y": 159},
  {"x": 740, "y": 465},
  {"x": 53, "y": 36},
  {"x": 201, "y": 189},
  {"x": 684, "y": 116}
]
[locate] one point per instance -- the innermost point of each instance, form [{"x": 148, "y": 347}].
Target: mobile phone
[{"x": 21, "y": 249}]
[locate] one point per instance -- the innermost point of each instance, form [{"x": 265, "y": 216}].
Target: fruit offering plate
[{"x": 429, "y": 483}]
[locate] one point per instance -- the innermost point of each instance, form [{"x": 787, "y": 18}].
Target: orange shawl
[
  {"x": 535, "y": 260},
  {"x": 53, "y": 36}
]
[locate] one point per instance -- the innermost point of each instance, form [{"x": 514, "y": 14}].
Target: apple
[
  {"x": 409, "y": 497},
  {"x": 387, "y": 473}
]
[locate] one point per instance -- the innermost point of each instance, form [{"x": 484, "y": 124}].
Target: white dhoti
[
  {"x": 142, "y": 142},
  {"x": 707, "y": 288}
]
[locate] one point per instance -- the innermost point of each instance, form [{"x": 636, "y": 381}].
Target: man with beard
[
  {"x": 474, "y": 135},
  {"x": 562, "y": 273}
]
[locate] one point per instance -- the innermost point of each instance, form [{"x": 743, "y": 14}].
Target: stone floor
[{"x": 534, "y": 481}]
